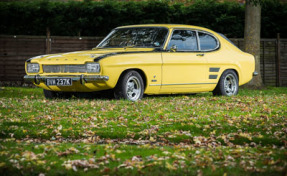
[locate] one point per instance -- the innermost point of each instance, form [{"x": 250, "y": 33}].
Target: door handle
[{"x": 200, "y": 55}]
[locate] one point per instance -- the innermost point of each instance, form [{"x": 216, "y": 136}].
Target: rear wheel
[
  {"x": 53, "y": 94},
  {"x": 228, "y": 84},
  {"x": 130, "y": 86}
]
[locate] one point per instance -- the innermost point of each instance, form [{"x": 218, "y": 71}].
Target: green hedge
[{"x": 98, "y": 18}]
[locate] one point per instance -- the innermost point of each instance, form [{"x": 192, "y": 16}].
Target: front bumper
[{"x": 75, "y": 78}]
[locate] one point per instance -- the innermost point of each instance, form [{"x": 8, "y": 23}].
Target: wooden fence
[
  {"x": 15, "y": 50},
  {"x": 273, "y": 60}
]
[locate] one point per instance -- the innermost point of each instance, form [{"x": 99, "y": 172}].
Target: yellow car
[{"x": 146, "y": 59}]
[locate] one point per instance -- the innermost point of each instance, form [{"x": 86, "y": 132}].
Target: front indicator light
[{"x": 33, "y": 68}]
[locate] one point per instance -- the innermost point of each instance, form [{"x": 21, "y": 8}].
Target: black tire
[
  {"x": 130, "y": 86},
  {"x": 49, "y": 94},
  {"x": 53, "y": 95},
  {"x": 227, "y": 84}
]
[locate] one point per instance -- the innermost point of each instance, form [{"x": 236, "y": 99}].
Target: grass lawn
[{"x": 159, "y": 135}]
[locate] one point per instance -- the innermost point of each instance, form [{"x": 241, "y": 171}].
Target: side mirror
[
  {"x": 156, "y": 44},
  {"x": 173, "y": 48}
]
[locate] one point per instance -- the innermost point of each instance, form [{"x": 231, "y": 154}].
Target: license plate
[{"x": 59, "y": 81}]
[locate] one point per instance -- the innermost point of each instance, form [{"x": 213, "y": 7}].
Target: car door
[
  {"x": 214, "y": 55},
  {"x": 184, "y": 66}
]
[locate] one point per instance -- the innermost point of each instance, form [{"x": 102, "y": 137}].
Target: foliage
[
  {"x": 159, "y": 135},
  {"x": 88, "y": 18},
  {"x": 273, "y": 19}
]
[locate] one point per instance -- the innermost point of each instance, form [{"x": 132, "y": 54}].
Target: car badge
[{"x": 92, "y": 55}]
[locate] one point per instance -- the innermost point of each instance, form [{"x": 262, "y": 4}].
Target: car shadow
[
  {"x": 109, "y": 95},
  {"x": 105, "y": 95}
]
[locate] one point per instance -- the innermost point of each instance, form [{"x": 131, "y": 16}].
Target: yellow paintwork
[{"x": 163, "y": 72}]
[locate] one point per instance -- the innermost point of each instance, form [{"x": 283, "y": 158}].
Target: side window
[
  {"x": 207, "y": 42},
  {"x": 185, "y": 40}
]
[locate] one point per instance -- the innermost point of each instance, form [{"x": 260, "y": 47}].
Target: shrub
[{"x": 88, "y": 18}]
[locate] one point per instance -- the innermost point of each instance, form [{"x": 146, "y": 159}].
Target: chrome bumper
[{"x": 75, "y": 78}]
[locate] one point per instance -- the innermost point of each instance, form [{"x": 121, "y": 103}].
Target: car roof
[{"x": 167, "y": 26}]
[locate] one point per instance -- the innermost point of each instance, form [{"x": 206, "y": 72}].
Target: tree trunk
[{"x": 252, "y": 37}]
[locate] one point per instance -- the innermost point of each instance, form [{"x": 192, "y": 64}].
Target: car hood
[{"x": 81, "y": 57}]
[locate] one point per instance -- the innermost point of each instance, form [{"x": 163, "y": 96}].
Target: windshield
[{"x": 141, "y": 37}]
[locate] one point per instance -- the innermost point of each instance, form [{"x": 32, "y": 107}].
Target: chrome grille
[{"x": 64, "y": 68}]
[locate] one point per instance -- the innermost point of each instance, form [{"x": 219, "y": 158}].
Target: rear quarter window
[{"x": 207, "y": 42}]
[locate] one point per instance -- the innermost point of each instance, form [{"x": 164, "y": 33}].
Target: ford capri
[{"x": 146, "y": 59}]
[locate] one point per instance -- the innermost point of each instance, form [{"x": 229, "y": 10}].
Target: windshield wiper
[
  {"x": 98, "y": 48},
  {"x": 130, "y": 46}
]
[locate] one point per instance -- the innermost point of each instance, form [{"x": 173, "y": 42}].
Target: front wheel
[
  {"x": 130, "y": 86},
  {"x": 228, "y": 84}
]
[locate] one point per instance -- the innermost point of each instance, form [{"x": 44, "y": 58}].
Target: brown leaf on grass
[
  {"x": 29, "y": 156},
  {"x": 73, "y": 164},
  {"x": 136, "y": 158},
  {"x": 69, "y": 151},
  {"x": 135, "y": 162}
]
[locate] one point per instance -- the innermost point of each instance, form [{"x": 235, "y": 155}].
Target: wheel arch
[
  {"x": 236, "y": 73},
  {"x": 218, "y": 90},
  {"x": 233, "y": 69},
  {"x": 141, "y": 72}
]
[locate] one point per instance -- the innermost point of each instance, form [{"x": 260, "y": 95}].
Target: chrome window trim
[
  {"x": 198, "y": 44},
  {"x": 113, "y": 31},
  {"x": 183, "y": 50},
  {"x": 198, "y": 40},
  {"x": 208, "y": 33}
]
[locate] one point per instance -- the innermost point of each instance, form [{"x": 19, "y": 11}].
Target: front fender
[{"x": 149, "y": 63}]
